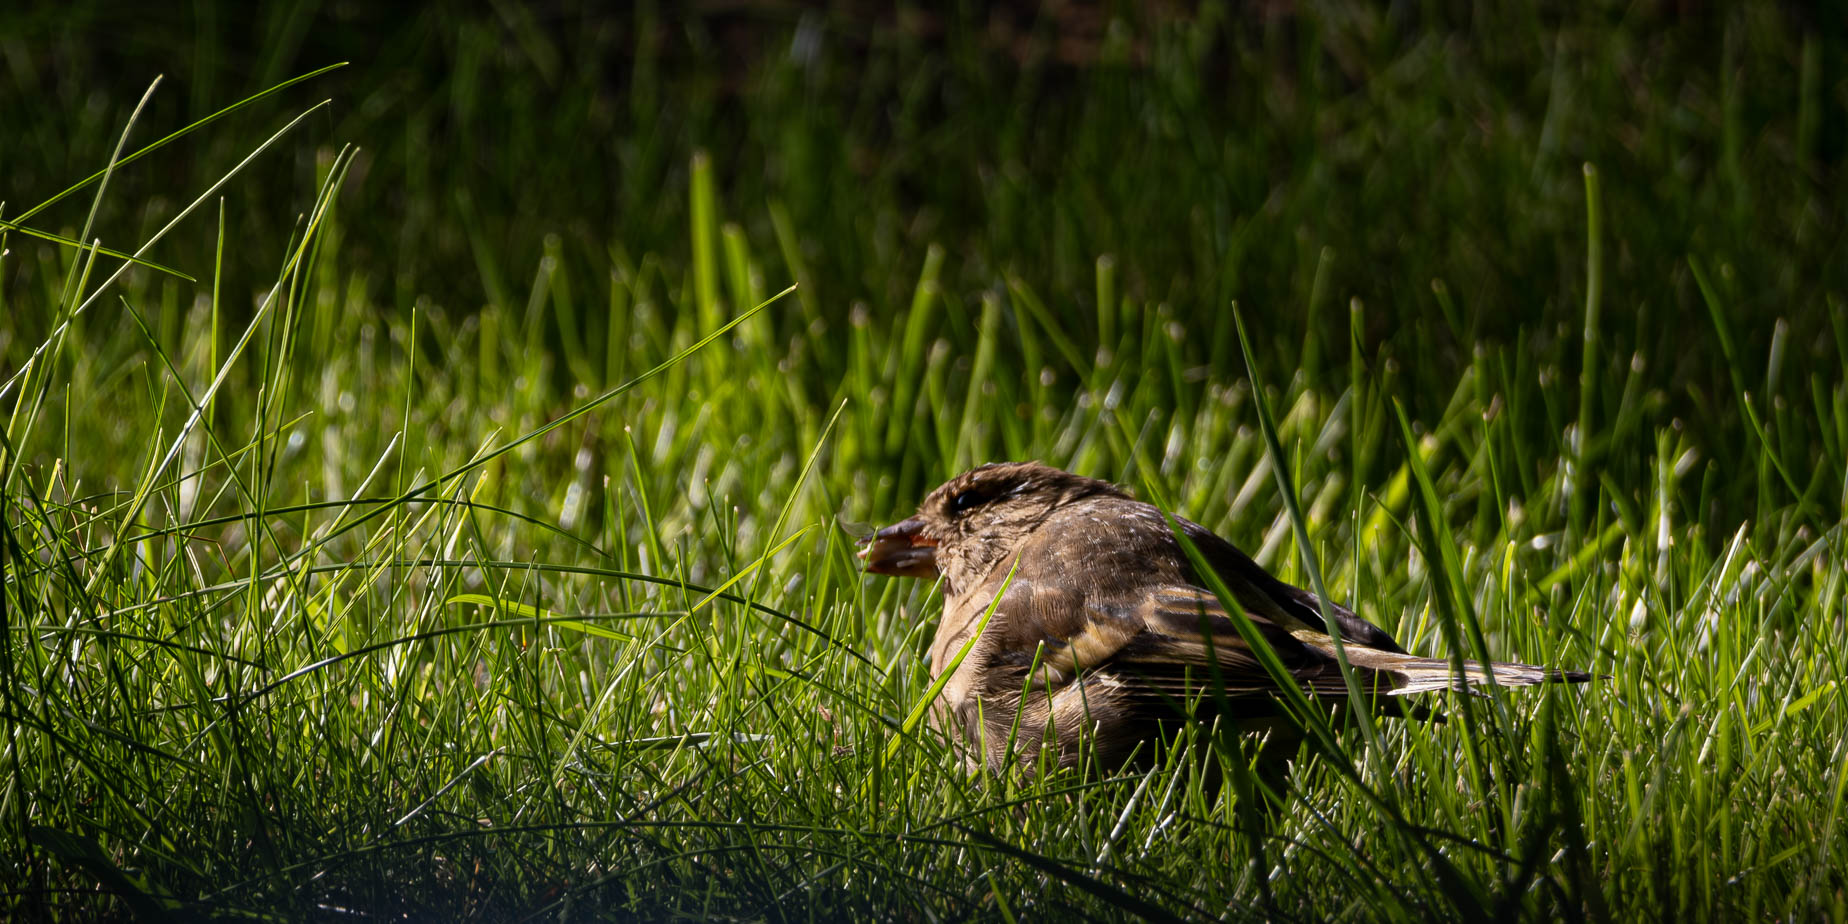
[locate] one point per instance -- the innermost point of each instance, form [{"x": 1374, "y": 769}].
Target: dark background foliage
[{"x": 1425, "y": 158}]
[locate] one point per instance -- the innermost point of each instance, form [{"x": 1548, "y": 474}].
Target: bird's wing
[
  {"x": 1173, "y": 640},
  {"x": 1294, "y": 608},
  {"x": 1187, "y": 635},
  {"x": 1189, "y": 642}
]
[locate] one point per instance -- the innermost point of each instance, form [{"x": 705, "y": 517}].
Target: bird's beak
[{"x": 902, "y": 549}]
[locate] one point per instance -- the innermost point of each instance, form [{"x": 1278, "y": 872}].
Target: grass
[{"x": 417, "y": 555}]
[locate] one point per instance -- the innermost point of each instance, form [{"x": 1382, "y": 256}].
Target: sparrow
[{"x": 1071, "y": 580}]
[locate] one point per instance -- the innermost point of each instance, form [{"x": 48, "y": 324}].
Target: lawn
[{"x": 435, "y": 443}]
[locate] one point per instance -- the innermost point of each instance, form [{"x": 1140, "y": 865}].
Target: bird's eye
[{"x": 966, "y": 500}]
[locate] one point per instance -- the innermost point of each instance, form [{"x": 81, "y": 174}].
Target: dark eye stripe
[{"x": 970, "y": 498}]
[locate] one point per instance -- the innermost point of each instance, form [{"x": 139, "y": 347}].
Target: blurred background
[{"x": 1289, "y": 155}]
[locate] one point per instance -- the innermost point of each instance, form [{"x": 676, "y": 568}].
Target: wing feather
[{"x": 1173, "y": 640}]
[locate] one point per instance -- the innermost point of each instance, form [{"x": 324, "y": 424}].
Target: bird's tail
[{"x": 1413, "y": 674}]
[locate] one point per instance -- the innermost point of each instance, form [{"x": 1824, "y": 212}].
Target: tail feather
[{"x": 1413, "y": 674}]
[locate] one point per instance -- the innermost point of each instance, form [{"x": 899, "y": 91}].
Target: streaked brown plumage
[{"x": 1124, "y": 628}]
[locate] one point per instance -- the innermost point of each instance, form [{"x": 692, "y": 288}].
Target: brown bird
[{"x": 1125, "y": 634}]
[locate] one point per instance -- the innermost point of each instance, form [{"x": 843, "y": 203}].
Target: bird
[{"x": 1074, "y": 619}]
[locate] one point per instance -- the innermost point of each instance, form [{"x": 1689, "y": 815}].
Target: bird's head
[{"x": 976, "y": 519}]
